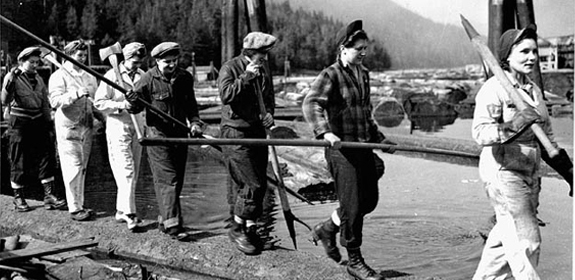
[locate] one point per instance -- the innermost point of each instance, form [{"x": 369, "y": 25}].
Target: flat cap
[
  {"x": 347, "y": 32},
  {"x": 164, "y": 49},
  {"x": 134, "y": 49},
  {"x": 259, "y": 41},
  {"x": 513, "y": 36},
  {"x": 28, "y": 52}
]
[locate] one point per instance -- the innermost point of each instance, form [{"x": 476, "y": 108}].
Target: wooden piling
[
  {"x": 230, "y": 45},
  {"x": 526, "y": 16},
  {"x": 257, "y": 17}
]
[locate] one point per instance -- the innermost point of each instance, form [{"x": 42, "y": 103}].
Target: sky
[{"x": 553, "y": 17}]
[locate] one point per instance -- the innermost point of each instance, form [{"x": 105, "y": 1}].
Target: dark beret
[
  {"x": 346, "y": 32},
  {"x": 513, "y": 36},
  {"x": 259, "y": 41},
  {"x": 164, "y": 49},
  {"x": 28, "y": 52}
]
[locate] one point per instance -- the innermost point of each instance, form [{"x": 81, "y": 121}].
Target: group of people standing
[{"x": 337, "y": 108}]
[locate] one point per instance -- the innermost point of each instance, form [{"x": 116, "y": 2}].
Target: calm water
[{"x": 427, "y": 222}]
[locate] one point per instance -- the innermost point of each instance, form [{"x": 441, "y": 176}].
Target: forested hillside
[
  {"x": 306, "y": 38},
  {"x": 411, "y": 40}
]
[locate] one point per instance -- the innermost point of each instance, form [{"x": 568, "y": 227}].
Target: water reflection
[{"x": 427, "y": 115}]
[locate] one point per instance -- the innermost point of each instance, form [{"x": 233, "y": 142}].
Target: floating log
[{"x": 388, "y": 112}]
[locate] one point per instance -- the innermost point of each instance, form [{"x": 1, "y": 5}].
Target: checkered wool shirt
[{"x": 339, "y": 103}]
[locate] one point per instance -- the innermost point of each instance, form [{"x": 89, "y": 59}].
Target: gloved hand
[
  {"x": 131, "y": 96},
  {"x": 562, "y": 164},
  {"x": 267, "y": 120},
  {"x": 391, "y": 148},
  {"x": 522, "y": 120},
  {"x": 333, "y": 140},
  {"x": 196, "y": 129},
  {"x": 16, "y": 72}
]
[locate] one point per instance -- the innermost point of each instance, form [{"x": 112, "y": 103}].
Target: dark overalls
[{"x": 175, "y": 96}]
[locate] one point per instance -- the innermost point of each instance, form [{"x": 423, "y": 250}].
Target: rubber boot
[
  {"x": 357, "y": 267},
  {"x": 51, "y": 202},
  {"x": 19, "y": 202},
  {"x": 325, "y": 232}
]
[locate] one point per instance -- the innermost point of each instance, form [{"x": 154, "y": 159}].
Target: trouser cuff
[
  {"x": 172, "y": 222},
  {"x": 16, "y": 186},
  {"x": 47, "y": 180}
]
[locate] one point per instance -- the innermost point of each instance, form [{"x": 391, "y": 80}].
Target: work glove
[
  {"x": 196, "y": 129},
  {"x": 391, "y": 148},
  {"x": 333, "y": 140},
  {"x": 12, "y": 83},
  {"x": 131, "y": 96},
  {"x": 16, "y": 72},
  {"x": 522, "y": 120},
  {"x": 562, "y": 164}
]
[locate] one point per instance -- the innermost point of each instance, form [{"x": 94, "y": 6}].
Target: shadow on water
[{"x": 205, "y": 210}]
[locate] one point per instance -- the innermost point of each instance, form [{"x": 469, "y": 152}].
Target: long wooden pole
[
  {"x": 489, "y": 59},
  {"x": 299, "y": 143},
  {"x": 288, "y": 215}
]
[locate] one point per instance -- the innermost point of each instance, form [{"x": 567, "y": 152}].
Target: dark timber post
[
  {"x": 257, "y": 18},
  {"x": 230, "y": 46},
  {"x": 526, "y": 16}
]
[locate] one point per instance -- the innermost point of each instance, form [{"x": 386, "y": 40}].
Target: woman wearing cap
[
  {"x": 239, "y": 81},
  {"x": 338, "y": 108},
  {"x": 71, "y": 92},
  {"x": 25, "y": 98},
  {"x": 124, "y": 151},
  {"x": 509, "y": 161},
  {"x": 171, "y": 89}
]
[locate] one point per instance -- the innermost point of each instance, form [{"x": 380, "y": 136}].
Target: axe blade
[{"x": 111, "y": 50}]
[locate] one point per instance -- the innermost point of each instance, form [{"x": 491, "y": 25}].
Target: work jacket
[
  {"x": 174, "y": 96},
  {"x": 24, "y": 100},
  {"x": 237, "y": 88},
  {"x": 520, "y": 154},
  {"x": 339, "y": 103},
  {"x": 64, "y": 86},
  {"x": 111, "y": 101}
]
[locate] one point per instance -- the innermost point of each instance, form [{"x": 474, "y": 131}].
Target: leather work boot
[
  {"x": 238, "y": 236},
  {"x": 51, "y": 202},
  {"x": 325, "y": 232},
  {"x": 357, "y": 267},
  {"x": 19, "y": 202},
  {"x": 254, "y": 237}
]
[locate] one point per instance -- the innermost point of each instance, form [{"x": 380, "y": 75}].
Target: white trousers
[
  {"x": 74, "y": 146},
  {"x": 124, "y": 153}
]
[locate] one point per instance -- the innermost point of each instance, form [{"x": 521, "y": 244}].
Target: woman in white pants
[
  {"x": 71, "y": 91},
  {"x": 124, "y": 151}
]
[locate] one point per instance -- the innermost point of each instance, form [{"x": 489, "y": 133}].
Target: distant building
[{"x": 556, "y": 52}]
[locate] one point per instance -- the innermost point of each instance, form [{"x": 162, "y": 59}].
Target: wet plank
[{"x": 46, "y": 250}]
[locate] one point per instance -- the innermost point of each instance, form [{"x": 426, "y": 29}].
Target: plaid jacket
[{"x": 338, "y": 103}]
